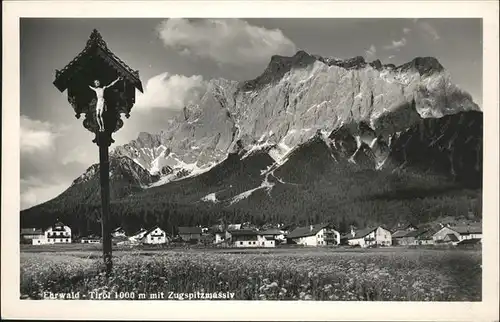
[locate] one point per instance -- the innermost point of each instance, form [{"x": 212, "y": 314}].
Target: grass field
[{"x": 386, "y": 274}]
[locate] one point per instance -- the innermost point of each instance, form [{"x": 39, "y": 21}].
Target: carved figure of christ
[{"x": 101, "y": 106}]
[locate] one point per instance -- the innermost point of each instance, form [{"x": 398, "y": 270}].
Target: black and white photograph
[{"x": 252, "y": 159}]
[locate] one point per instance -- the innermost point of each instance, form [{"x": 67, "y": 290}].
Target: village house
[
  {"x": 123, "y": 240},
  {"x": 397, "y": 236},
  {"x": 403, "y": 233},
  {"x": 135, "y": 238},
  {"x": 448, "y": 239},
  {"x": 221, "y": 232},
  {"x": 469, "y": 243},
  {"x": 425, "y": 238},
  {"x": 314, "y": 235},
  {"x": 455, "y": 234},
  {"x": 250, "y": 238},
  {"x": 219, "y": 236},
  {"x": 58, "y": 234},
  {"x": 411, "y": 237},
  {"x": 118, "y": 232},
  {"x": 234, "y": 227},
  {"x": 190, "y": 234},
  {"x": 207, "y": 238},
  {"x": 90, "y": 240},
  {"x": 369, "y": 237},
  {"x": 472, "y": 231},
  {"x": 403, "y": 227},
  {"x": 274, "y": 233},
  {"x": 155, "y": 235},
  {"x": 32, "y": 236}
]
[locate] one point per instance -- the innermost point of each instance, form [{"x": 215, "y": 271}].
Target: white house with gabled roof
[
  {"x": 369, "y": 236},
  {"x": 155, "y": 235},
  {"x": 456, "y": 234},
  {"x": 314, "y": 235},
  {"x": 58, "y": 234}
]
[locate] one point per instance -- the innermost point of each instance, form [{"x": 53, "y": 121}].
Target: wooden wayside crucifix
[{"x": 101, "y": 86}]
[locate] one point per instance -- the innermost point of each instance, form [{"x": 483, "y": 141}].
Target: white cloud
[
  {"x": 406, "y": 31},
  {"x": 171, "y": 92},
  {"x": 225, "y": 41},
  {"x": 35, "y": 191},
  {"x": 391, "y": 57},
  {"x": 79, "y": 155},
  {"x": 396, "y": 44},
  {"x": 371, "y": 53},
  {"x": 36, "y": 135},
  {"x": 427, "y": 29}
]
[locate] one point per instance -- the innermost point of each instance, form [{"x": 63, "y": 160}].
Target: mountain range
[{"x": 311, "y": 139}]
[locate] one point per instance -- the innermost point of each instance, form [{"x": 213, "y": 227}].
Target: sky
[{"x": 174, "y": 56}]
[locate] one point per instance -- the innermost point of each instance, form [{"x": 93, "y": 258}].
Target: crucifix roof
[{"x": 96, "y": 46}]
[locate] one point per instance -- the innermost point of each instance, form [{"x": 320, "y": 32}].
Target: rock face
[
  {"x": 292, "y": 99},
  {"x": 121, "y": 168}
]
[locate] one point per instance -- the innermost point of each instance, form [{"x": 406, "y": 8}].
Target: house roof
[
  {"x": 31, "y": 231},
  {"x": 306, "y": 231},
  {"x": 190, "y": 230},
  {"x": 119, "y": 238},
  {"x": 271, "y": 231},
  {"x": 141, "y": 231},
  {"x": 399, "y": 233},
  {"x": 96, "y": 45},
  {"x": 426, "y": 235},
  {"x": 58, "y": 226},
  {"x": 362, "y": 232},
  {"x": 467, "y": 229},
  {"x": 403, "y": 226},
  {"x": 92, "y": 237},
  {"x": 471, "y": 241},
  {"x": 151, "y": 230},
  {"x": 415, "y": 233},
  {"x": 450, "y": 237},
  {"x": 244, "y": 232}
]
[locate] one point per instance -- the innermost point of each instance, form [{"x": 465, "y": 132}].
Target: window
[{"x": 241, "y": 243}]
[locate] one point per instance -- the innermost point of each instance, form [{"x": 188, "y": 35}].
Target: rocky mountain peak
[
  {"x": 424, "y": 65},
  {"x": 294, "y": 98},
  {"x": 147, "y": 140},
  {"x": 280, "y": 65},
  {"x": 377, "y": 64},
  {"x": 277, "y": 68}
]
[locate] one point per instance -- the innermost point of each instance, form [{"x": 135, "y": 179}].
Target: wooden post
[
  {"x": 96, "y": 61},
  {"x": 103, "y": 142}
]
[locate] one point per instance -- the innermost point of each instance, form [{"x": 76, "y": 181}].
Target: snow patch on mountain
[
  {"x": 210, "y": 198},
  {"x": 264, "y": 185},
  {"x": 256, "y": 147}
]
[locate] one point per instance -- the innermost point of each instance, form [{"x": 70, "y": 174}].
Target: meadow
[{"x": 385, "y": 274}]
